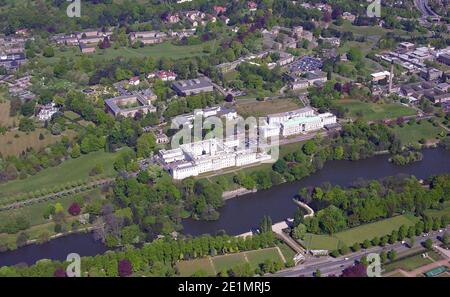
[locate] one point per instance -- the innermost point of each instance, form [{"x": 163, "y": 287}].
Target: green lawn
[
  {"x": 320, "y": 242},
  {"x": 408, "y": 264},
  {"x": 69, "y": 171},
  {"x": 228, "y": 261},
  {"x": 258, "y": 257},
  {"x": 188, "y": 268},
  {"x": 374, "y": 111},
  {"x": 215, "y": 265},
  {"x": 287, "y": 252},
  {"x": 157, "y": 51},
  {"x": 412, "y": 133},
  {"x": 34, "y": 213},
  {"x": 358, "y": 234},
  {"x": 380, "y": 228}
]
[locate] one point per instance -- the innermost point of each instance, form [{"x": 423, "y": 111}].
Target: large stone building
[
  {"x": 130, "y": 105},
  {"x": 204, "y": 156},
  {"x": 193, "y": 86},
  {"x": 295, "y": 122}
]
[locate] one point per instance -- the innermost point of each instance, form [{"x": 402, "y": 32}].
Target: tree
[
  {"x": 356, "y": 247},
  {"x": 145, "y": 145},
  {"x": 22, "y": 239},
  {"x": 428, "y": 244},
  {"x": 412, "y": 241},
  {"x": 383, "y": 257},
  {"x": 76, "y": 152},
  {"x": 26, "y": 125},
  {"x": 74, "y": 209},
  {"x": 309, "y": 147},
  {"x": 367, "y": 244},
  {"x": 299, "y": 231},
  {"x": 48, "y": 52},
  {"x": 125, "y": 268},
  {"x": 318, "y": 273},
  {"x": 357, "y": 270},
  {"x": 392, "y": 255},
  {"x": 266, "y": 224},
  {"x": 445, "y": 239}
]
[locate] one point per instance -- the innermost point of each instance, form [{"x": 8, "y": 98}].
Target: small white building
[{"x": 47, "y": 111}]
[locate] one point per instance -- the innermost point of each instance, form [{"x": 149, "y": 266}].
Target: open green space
[
  {"x": 377, "y": 229},
  {"x": 157, "y": 51},
  {"x": 34, "y": 213},
  {"x": 255, "y": 258},
  {"x": 287, "y": 252},
  {"x": 408, "y": 263},
  {"x": 358, "y": 234},
  {"x": 188, "y": 268},
  {"x": 412, "y": 132},
  {"x": 214, "y": 265},
  {"x": 320, "y": 242},
  {"x": 69, "y": 171},
  {"x": 375, "y": 111}
]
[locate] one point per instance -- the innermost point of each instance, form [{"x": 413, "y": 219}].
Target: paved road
[
  {"x": 424, "y": 8},
  {"x": 334, "y": 266}
]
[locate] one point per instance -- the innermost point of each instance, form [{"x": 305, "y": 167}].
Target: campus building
[
  {"x": 193, "y": 86},
  {"x": 129, "y": 105},
  {"x": 204, "y": 156},
  {"x": 295, "y": 122}
]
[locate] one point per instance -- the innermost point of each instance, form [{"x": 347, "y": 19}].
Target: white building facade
[
  {"x": 204, "y": 156},
  {"x": 295, "y": 122}
]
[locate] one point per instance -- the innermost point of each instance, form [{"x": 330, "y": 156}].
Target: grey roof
[
  {"x": 112, "y": 102},
  {"x": 192, "y": 84}
]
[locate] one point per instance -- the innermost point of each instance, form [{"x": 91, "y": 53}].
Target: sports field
[
  {"x": 408, "y": 263},
  {"x": 358, "y": 234},
  {"x": 214, "y": 265}
]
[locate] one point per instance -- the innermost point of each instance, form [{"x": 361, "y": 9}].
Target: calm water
[
  {"x": 56, "y": 249},
  {"x": 241, "y": 214}
]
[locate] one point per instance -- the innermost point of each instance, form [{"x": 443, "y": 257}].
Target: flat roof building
[
  {"x": 129, "y": 105},
  {"x": 193, "y": 86}
]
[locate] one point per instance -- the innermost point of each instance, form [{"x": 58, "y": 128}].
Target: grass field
[
  {"x": 214, "y": 265},
  {"x": 165, "y": 49},
  {"x": 263, "y": 108},
  {"x": 439, "y": 212},
  {"x": 374, "y": 111},
  {"x": 34, "y": 213},
  {"x": 5, "y": 119},
  {"x": 69, "y": 171},
  {"x": 287, "y": 252},
  {"x": 408, "y": 263},
  {"x": 320, "y": 242},
  {"x": 188, "y": 268},
  {"x": 10, "y": 145},
  {"x": 358, "y": 234},
  {"x": 412, "y": 133}
]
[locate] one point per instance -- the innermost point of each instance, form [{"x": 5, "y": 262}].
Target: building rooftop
[{"x": 197, "y": 83}]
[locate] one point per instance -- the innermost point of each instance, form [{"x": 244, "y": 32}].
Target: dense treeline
[
  {"x": 153, "y": 259},
  {"x": 368, "y": 201}
]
